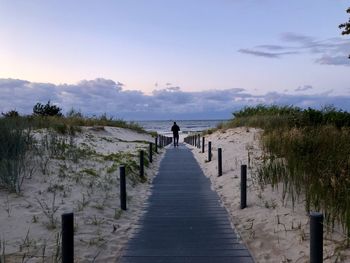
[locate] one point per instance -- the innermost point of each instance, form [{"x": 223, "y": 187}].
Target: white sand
[
  {"x": 90, "y": 188},
  {"x": 272, "y": 230}
]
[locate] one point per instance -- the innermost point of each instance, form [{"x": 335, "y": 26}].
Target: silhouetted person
[{"x": 175, "y": 129}]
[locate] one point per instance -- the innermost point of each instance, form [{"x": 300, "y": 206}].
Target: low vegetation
[
  {"x": 47, "y": 110},
  {"x": 50, "y": 116},
  {"x": 307, "y": 153},
  {"x": 46, "y": 164},
  {"x": 15, "y": 143},
  {"x": 18, "y": 145}
]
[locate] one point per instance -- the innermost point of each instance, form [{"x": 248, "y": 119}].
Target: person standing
[{"x": 175, "y": 129}]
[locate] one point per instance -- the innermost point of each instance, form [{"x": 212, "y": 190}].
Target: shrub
[
  {"x": 10, "y": 114},
  {"x": 47, "y": 110}
]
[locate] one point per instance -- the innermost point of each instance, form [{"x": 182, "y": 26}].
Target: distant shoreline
[
  {"x": 186, "y": 126},
  {"x": 179, "y": 120}
]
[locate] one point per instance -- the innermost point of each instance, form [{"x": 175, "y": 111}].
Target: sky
[{"x": 183, "y": 59}]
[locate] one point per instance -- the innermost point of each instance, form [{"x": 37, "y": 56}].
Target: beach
[
  {"x": 273, "y": 229},
  {"x": 87, "y": 185}
]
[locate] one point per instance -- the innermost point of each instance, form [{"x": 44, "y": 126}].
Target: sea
[{"x": 186, "y": 126}]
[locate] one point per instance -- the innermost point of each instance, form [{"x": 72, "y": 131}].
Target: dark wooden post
[
  {"x": 243, "y": 186},
  {"x": 122, "y": 187},
  {"x": 209, "y": 151},
  {"x": 203, "y": 144},
  {"x": 142, "y": 173},
  {"x": 316, "y": 237},
  {"x": 219, "y": 162},
  {"x": 156, "y": 144},
  {"x": 67, "y": 238}
]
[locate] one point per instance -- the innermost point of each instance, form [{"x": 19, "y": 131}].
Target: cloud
[
  {"x": 272, "y": 47},
  {"x": 333, "y": 60},
  {"x": 303, "y": 88},
  {"x": 98, "y": 96},
  {"x": 331, "y": 51},
  {"x": 297, "y": 38},
  {"x": 258, "y": 53},
  {"x": 266, "y": 54}
]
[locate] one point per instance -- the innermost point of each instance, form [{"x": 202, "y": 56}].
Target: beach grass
[
  {"x": 72, "y": 124},
  {"x": 50, "y": 164},
  {"x": 308, "y": 153},
  {"x": 17, "y": 144}
]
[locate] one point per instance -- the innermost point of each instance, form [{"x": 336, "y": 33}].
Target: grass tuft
[{"x": 308, "y": 153}]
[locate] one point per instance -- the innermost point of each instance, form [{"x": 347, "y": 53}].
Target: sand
[
  {"x": 272, "y": 229},
  {"x": 86, "y": 183}
]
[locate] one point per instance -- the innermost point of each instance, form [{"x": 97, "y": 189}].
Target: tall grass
[
  {"x": 18, "y": 148},
  {"x": 308, "y": 151},
  {"x": 72, "y": 124},
  {"x": 15, "y": 143},
  {"x": 269, "y": 117}
]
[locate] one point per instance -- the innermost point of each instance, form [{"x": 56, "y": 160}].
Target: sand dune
[
  {"x": 85, "y": 181},
  {"x": 89, "y": 186},
  {"x": 272, "y": 229}
]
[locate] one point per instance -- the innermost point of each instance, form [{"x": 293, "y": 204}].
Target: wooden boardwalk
[{"x": 184, "y": 222}]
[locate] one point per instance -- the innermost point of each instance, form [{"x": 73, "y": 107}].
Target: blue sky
[{"x": 161, "y": 59}]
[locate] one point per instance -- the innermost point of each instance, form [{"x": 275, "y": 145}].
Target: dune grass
[
  {"x": 72, "y": 124},
  {"x": 17, "y": 145},
  {"x": 308, "y": 152},
  {"x": 15, "y": 142}
]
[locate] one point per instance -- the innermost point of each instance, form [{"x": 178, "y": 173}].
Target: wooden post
[
  {"x": 122, "y": 187},
  {"x": 142, "y": 172},
  {"x": 219, "y": 162},
  {"x": 316, "y": 237},
  {"x": 203, "y": 144},
  {"x": 209, "y": 151},
  {"x": 67, "y": 238},
  {"x": 243, "y": 186},
  {"x": 156, "y": 144}
]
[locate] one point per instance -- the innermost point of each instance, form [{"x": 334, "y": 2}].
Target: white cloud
[{"x": 107, "y": 96}]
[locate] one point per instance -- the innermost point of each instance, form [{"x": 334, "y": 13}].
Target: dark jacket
[{"x": 175, "y": 129}]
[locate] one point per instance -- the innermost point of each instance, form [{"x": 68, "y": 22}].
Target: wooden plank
[{"x": 184, "y": 220}]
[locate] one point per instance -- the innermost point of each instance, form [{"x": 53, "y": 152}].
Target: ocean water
[{"x": 186, "y": 126}]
